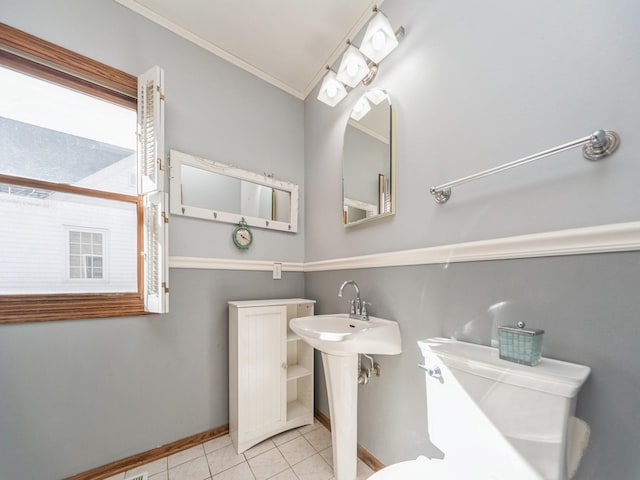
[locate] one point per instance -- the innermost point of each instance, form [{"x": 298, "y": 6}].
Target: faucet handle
[
  {"x": 363, "y": 309},
  {"x": 352, "y": 310}
]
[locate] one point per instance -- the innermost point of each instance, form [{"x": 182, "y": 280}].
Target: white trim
[
  {"x": 600, "y": 239},
  {"x": 229, "y": 264},
  {"x": 619, "y": 237}
]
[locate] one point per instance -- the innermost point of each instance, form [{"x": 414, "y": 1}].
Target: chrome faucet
[{"x": 358, "y": 307}]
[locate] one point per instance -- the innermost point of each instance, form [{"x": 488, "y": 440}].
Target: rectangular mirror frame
[{"x": 178, "y": 208}]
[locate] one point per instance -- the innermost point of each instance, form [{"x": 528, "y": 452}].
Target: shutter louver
[
  {"x": 151, "y": 164},
  {"x": 151, "y": 184},
  {"x": 156, "y": 271}
]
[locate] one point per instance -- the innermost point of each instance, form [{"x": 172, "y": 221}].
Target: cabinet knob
[{"x": 285, "y": 366}]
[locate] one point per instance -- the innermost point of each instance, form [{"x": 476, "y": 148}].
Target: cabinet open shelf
[
  {"x": 296, "y": 409},
  {"x": 297, "y": 371}
]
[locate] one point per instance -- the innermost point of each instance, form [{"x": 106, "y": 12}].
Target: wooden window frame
[{"x": 31, "y": 55}]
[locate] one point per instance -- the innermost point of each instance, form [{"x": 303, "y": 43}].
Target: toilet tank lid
[{"x": 550, "y": 376}]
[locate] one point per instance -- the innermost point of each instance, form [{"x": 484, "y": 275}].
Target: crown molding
[{"x": 201, "y": 42}]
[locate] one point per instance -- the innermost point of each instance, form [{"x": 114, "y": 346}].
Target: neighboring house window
[
  {"x": 73, "y": 134},
  {"x": 86, "y": 255}
]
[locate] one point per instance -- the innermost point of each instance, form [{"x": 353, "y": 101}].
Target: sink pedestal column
[{"x": 341, "y": 374}]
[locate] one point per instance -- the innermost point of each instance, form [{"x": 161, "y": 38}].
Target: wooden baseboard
[
  {"x": 133, "y": 461},
  {"x": 322, "y": 418},
  {"x": 369, "y": 460},
  {"x": 363, "y": 454}
]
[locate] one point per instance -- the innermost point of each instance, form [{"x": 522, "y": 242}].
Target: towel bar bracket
[
  {"x": 603, "y": 144},
  {"x": 441, "y": 196}
]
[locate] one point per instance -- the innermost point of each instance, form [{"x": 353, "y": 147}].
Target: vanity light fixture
[
  {"x": 379, "y": 39},
  {"x": 360, "y": 65},
  {"x": 332, "y": 91},
  {"x": 376, "y": 96},
  {"x": 353, "y": 67},
  {"x": 361, "y": 108}
]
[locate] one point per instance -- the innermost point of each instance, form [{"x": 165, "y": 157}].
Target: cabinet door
[{"x": 262, "y": 375}]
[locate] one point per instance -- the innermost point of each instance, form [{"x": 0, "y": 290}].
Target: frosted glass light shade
[
  {"x": 353, "y": 67},
  {"x": 376, "y": 96},
  {"x": 379, "y": 39},
  {"x": 332, "y": 91},
  {"x": 361, "y": 108}
]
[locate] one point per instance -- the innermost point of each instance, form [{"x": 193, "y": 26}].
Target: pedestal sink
[{"x": 340, "y": 339}]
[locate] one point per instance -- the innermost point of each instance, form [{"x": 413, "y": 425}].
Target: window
[
  {"x": 86, "y": 255},
  {"x": 80, "y": 144}
]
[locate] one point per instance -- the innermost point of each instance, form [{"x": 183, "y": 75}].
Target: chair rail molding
[
  {"x": 618, "y": 237},
  {"x": 231, "y": 264}
]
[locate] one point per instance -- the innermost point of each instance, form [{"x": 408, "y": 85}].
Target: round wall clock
[{"x": 242, "y": 236}]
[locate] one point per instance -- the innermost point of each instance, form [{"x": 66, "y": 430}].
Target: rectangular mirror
[{"x": 210, "y": 190}]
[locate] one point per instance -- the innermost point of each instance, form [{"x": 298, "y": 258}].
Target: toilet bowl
[{"x": 495, "y": 419}]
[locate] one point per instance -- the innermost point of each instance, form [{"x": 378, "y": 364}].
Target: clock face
[{"x": 242, "y": 237}]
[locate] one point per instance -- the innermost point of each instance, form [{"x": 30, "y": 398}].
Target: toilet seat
[{"x": 420, "y": 468}]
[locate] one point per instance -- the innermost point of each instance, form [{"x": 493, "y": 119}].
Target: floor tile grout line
[
  {"x": 317, "y": 451},
  {"x": 245, "y": 460},
  {"x": 251, "y": 469},
  {"x": 186, "y": 461}
]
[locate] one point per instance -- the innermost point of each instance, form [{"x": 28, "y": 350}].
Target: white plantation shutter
[
  {"x": 151, "y": 184},
  {"x": 151, "y": 164},
  {"x": 156, "y": 266}
]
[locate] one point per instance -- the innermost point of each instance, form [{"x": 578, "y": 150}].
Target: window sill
[{"x": 46, "y": 308}]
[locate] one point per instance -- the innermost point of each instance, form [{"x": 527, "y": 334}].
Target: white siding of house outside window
[{"x": 34, "y": 256}]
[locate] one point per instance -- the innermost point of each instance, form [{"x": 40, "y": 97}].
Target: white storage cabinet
[{"x": 270, "y": 370}]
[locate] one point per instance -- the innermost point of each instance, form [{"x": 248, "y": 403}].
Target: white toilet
[{"x": 494, "y": 419}]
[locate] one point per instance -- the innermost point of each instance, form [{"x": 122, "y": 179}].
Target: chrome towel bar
[{"x": 598, "y": 145}]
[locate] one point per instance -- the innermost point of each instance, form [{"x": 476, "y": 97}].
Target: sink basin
[{"x": 340, "y": 335}]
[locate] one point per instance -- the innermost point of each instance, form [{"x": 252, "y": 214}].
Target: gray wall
[
  {"x": 587, "y": 306},
  {"x": 80, "y": 394},
  {"x": 77, "y": 395},
  {"x": 475, "y": 85}
]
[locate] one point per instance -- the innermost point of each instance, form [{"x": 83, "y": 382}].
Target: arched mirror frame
[{"x": 385, "y": 205}]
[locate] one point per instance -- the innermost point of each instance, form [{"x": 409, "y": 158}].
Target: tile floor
[{"x": 300, "y": 454}]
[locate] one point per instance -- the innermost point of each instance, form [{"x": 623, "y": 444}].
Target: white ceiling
[{"x": 287, "y": 43}]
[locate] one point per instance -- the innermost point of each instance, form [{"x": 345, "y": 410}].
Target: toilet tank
[{"x": 506, "y": 420}]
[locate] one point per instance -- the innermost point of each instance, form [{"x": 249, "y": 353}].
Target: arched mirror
[{"x": 368, "y": 165}]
